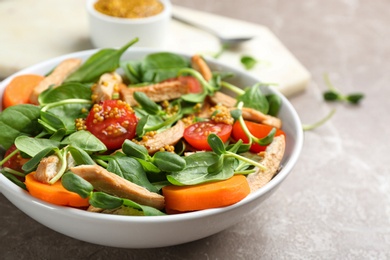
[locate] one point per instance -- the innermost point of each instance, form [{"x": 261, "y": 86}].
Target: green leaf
[
  {"x": 32, "y": 164},
  {"x": 148, "y": 166},
  {"x": 75, "y": 183},
  {"x": 132, "y": 71},
  {"x": 236, "y": 113},
  {"x": 104, "y": 201},
  {"x": 72, "y": 90},
  {"x": 18, "y": 120},
  {"x": 68, "y": 112},
  {"x": 168, "y": 162},
  {"x": 14, "y": 179},
  {"x": 331, "y": 96},
  {"x": 217, "y": 167},
  {"x": 131, "y": 170},
  {"x": 254, "y": 98},
  {"x": 196, "y": 170},
  {"x": 50, "y": 122},
  {"x": 267, "y": 139},
  {"x": 135, "y": 150},
  {"x": 105, "y": 60},
  {"x": 157, "y": 67},
  {"x": 248, "y": 61},
  {"x": 141, "y": 125},
  {"x": 355, "y": 98},
  {"x": 216, "y": 144},
  {"x": 275, "y": 103},
  {"x": 86, "y": 141},
  {"x": 80, "y": 156},
  {"x": 146, "y": 103},
  {"x": 32, "y": 146},
  {"x": 148, "y": 211}
]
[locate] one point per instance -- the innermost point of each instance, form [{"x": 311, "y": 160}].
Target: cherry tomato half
[
  {"x": 112, "y": 122},
  {"x": 196, "y": 134},
  {"x": 15, "y": 162},
  {"x": 256, "y": 129},
  {"x": 193, "y": 84}
]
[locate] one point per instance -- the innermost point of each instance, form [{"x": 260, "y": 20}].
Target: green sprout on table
[{"x": 333, "y": 94}]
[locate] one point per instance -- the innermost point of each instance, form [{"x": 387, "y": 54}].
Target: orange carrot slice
[
  {"x": 18, "y": 91},
  {"x": 53, "y": 193},
  {"x": 206, "y": 195}
]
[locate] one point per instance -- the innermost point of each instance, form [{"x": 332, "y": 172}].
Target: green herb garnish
[{"x": 333, "y": 94}]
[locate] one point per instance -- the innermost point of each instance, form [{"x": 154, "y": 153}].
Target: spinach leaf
[
  {"x": 18, "y": 120},
  {"x": 196, "y": 170},
  {"x": 72, "y": 90},
  {"x": 51, "y": 123},
  {"x": 86, "y": 141},
  {"x": 105, "y": 60},
  {"x": 132, "y": 70},
  {"x": 131, "y": 170},
  {"x": 157, "y": 67},
  {"x": 275, "y": 103},
  {"x": 67, "y": 113},
  {"x": 32, "y": 146},
  {"x": 254, "y": 98},
  {"x": 154, "y": 68}
]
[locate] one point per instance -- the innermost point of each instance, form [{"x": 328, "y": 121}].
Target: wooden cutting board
[{"x": 31, "y": 33}]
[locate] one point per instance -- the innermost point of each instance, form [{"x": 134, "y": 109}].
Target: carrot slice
[
  {"x": 18, "y": 91},
  {"x": 53, "y": 193},
  {"x": 206, "y": 195}
]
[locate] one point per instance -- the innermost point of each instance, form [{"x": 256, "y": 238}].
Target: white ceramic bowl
[
  {"x": 108, "y": 31},
  {"x": 155, "y": 231}
]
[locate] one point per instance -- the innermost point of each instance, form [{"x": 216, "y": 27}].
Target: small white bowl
[
  {"x": 154, "y": 231},
  {"x": 109, "y": 31}
]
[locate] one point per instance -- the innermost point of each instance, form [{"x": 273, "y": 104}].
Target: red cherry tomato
[
  {"x": 112, "y": 122},
  {"x": 258, "y": 130},
  {"x": 15, "y": 162},
  {"x": 193, "y": 84},
  {"x": 196, "y": 134}
]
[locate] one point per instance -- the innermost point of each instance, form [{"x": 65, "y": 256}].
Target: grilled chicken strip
[
  {"x": 247, "y": 113},
  {"x": 47, "y": 169},
  {"x": 59, "y": 74},
  {"x": 168, "y": 137},
  {"x": 156, "y": 92},
  {"x": 200, "y": 65},
  {"x": 108, "y": 84},
  {"x": 108, "y": 182},
  {"x": 271, "y": 161}
]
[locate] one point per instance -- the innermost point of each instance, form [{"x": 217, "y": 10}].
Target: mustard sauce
[{"x": 129, "y": 8}]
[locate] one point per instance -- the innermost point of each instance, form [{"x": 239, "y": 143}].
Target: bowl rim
[
  {"x": 5, "y": 183},
  {"x": 119, "y": 20}
]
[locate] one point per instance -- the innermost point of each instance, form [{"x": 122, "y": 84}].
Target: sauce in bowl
[{"x": 129, "y": 8}]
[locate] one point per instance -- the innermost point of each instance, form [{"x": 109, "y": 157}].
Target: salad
[{"x": 149, "y": 137}]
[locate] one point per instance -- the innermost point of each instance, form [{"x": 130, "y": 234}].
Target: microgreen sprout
[
  {"x": 218, "y": 147},
  {"x": 308, "y": 127},
  {"x": 253, "y": 139},
  {"x": 333, "y": 94}
]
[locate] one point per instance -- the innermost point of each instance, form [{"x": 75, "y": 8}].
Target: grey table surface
[{"x": 336, "y": 202}]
